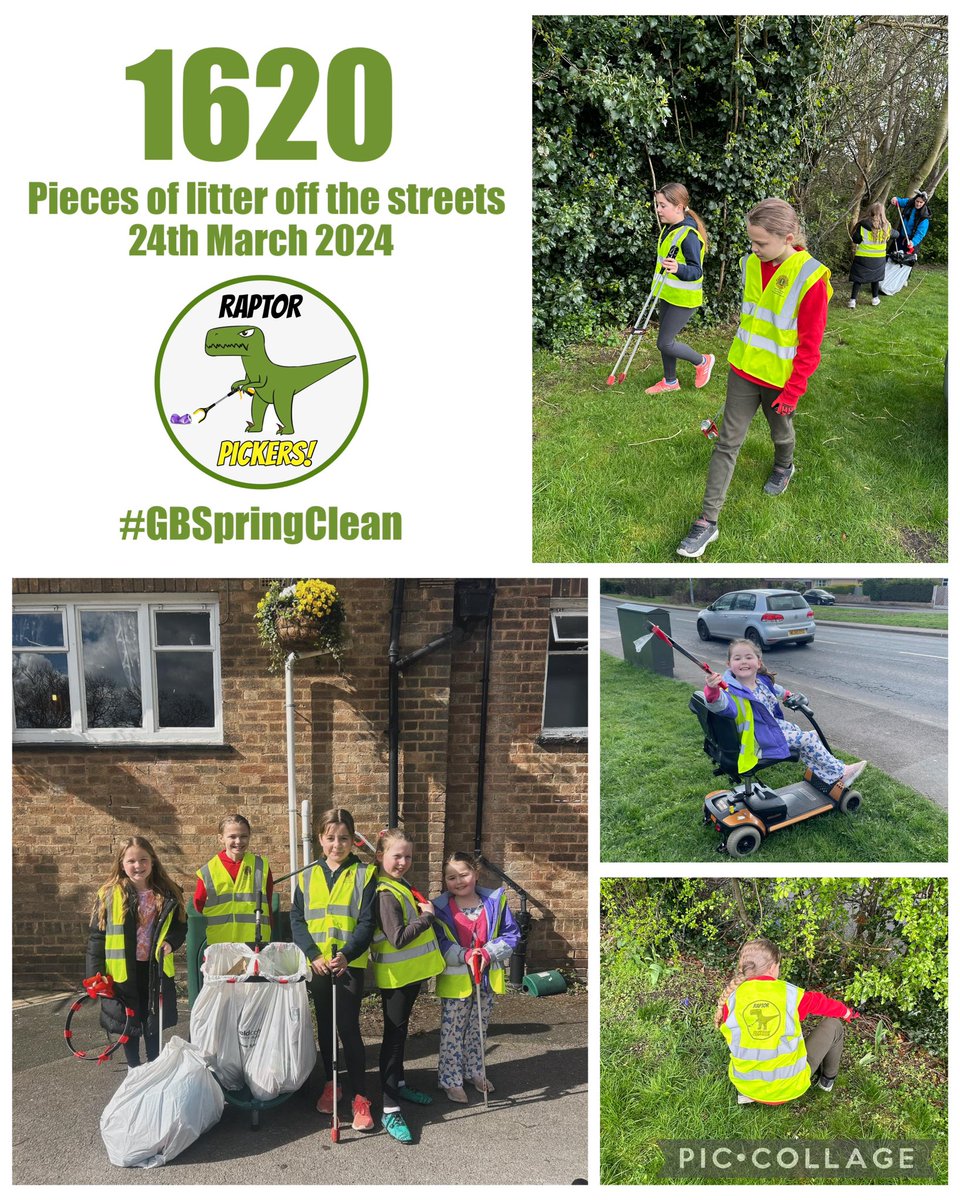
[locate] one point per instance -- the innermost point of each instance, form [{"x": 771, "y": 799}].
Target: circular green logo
[{"x": 261, "y": 382}]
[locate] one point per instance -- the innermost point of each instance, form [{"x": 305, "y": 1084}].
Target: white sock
[{"x": 389, "y": 1110}]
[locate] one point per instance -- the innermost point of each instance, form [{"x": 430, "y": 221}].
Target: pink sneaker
[
  {"x": 703, "y": 371},
  {"x": 663, "y": 386},
  {"x": 325, "y": 1103}
]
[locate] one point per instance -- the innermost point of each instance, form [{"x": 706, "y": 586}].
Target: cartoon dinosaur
[
  {"x": 760, "y": 1021},
  {"x": 271, "y": 383}
]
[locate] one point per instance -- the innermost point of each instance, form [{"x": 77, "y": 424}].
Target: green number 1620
[{"x": 359, "y": 83}]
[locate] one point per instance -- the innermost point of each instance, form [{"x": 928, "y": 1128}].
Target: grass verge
[
  {"x": 618, "y": 475},
  {"x": 654, "y": 775}
]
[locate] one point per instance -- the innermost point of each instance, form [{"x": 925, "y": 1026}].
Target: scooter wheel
[
  {"x": 850, "y": 802},
  {"x": 743, "y": 841}
]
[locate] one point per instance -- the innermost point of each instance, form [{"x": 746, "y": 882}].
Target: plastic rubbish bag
[
  {"x": 275, "y": 1030},
  {"x": 162, "y": 1108},
  {"x": 215, "y": 1029}
]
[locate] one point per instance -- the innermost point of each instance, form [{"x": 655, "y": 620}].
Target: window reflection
[
  {"x": 184, "y": 690},
  {"x": 111, "y": 670},
  {"x": 37, "y": 629},
  {"x": 183, "y": 628},
  {"x": 41, "y": 691}
]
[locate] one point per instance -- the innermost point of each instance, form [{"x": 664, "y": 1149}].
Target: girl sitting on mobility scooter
[
  {"x": 759, "y": 1015},
  {"x": 750, "y": 683}
]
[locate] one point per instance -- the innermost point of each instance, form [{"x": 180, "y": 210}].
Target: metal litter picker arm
[{"x": 639, "y": 327}]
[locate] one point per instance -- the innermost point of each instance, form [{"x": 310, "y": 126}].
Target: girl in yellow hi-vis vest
[
  {"x": 138, "y": 921},
  {"x": 332, "y": 920},
  {"x": 476, "y": 931},
  {"x": 783, "y": 316},
  {"x": 404, "y": 953},
  {"x": 760, "y": 1015},
  {"x": 680, "y": 251},
  {"x": 869, "y": 235},
  {"x": 229, "y": 884}
]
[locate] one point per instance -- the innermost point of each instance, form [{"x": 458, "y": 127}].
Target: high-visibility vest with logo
[
  {"x": 768, "y": 1058},
  {"x": 748, "y": 743},
  {"x": 331, "y": 913},
  {"x": 681, "y": 292},
  {"x": 872, "y": 244},
  {"x": 457, "y": 982},
  {"x": 116, "y": 950},
  {"x": 419, "y": 959},
  {"x": 231, "y": 904},
  {"x": 766, "y": 342}
]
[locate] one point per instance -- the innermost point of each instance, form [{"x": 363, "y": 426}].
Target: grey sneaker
[
  {"x": 825, "y": 1083},
  {"x": 701, "y": 534},
  {"x": 779, "y": 480},
  {"x": 851, "y": 303}
]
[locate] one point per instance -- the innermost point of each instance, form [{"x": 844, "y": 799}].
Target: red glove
[
  {"x": 784, "y": 405},
  {"x": 852, "y": 1015},
  {"x": 99, "y": 985},
  {"x": 910, "y": 247}
]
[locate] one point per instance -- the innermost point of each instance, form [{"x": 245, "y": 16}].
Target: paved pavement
[
  {"x": 534, "y": 1132},
  {"x": 876, "y": 691}
]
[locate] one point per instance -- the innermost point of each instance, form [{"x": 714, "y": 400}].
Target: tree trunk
[{"x": 936, "y": 149}]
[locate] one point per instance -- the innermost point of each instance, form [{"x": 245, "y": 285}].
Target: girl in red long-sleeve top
[
  {"x": 759, "y": 1014},
  {"x": 776, "y": 350}
]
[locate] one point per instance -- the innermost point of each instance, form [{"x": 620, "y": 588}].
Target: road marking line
[{"x": 916, "y": 654}]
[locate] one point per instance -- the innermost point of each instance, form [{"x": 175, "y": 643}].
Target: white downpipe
[{"x": 306, "y": 816}]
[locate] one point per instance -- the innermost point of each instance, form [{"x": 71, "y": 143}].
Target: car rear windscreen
[{"x": 786, "y": 602}]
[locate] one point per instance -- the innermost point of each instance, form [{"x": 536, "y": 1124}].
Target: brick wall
[{"x": 73, "y": 806}]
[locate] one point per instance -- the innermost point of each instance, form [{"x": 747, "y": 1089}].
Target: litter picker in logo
[{"x": 300, "y": 397}]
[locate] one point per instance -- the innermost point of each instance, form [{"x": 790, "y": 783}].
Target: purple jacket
[
  {"x": 769, "y": 737},
  {"x": 501, "y": 942}
]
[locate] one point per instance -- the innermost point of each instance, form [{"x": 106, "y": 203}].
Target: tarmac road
[
  {"x": 876, "y": 692},
  {"x": 534, "y": 1132}
]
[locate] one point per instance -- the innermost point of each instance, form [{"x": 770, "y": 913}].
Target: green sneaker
[
  {"x": 415, "y": 1097},
  {"x": 396, "y": 1126}
]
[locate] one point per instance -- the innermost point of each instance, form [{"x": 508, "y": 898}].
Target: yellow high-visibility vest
[
  {"x": 768, "y": 1058},
  {"x": 231, "y": 904},
  {"x": 116, "y": 950},
  {"x": 456, "y": 982},
  {"x": 872, "y": 244},
  {"x": 331, "y": 914},
  {"x": 419, "y": 959},
  {"x": 748, "y": 743},
  {"x": 682, "y": 293},
  {"x": 766, "y": 342}
]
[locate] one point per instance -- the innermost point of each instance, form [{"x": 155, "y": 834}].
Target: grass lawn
[
  {"x": 654, "y": 775},
  {"x": 619, "y": 475},
  {"x": 862, "y": 616},
  {"x": 663, "y": 1074}
]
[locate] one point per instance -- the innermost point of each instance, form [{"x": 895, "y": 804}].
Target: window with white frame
[
  {"x": 116, "y": 669},
  {"x": 565, "y": 688}
]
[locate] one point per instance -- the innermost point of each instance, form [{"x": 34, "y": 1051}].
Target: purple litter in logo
[{"x": 174, "y": 419}]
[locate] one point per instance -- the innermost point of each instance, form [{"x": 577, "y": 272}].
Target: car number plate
[{"x": 796, "y": 631}]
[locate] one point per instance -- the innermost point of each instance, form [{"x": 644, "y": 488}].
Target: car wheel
[
  {"x": 743, "y": 841},
  {"x": 703, "y": 631},
  {"x": 752, "y": 636},
  {"x": 850, "y": 802}
]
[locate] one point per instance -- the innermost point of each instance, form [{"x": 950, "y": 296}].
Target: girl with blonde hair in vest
[
  {"x": 680, "y": 250},
  {"x": 760, "y": 1015},
  {"x": 404, "y": 953},
  {"x": 869, "y": 235},
  {"x": 477, "y": 932},
  {"x": 332, "y": 920},
  {"x": 138, "y": 921},
  {"x": 229, "y": 885},
  {"x": 783, "y": 316},
  {"x": 750, "y": 683}
]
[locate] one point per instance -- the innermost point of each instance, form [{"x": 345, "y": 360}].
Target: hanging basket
[{"x": 298, "y": 634}]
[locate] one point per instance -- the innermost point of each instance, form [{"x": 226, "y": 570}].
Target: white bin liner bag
[
  {"x": 162, "y": 1108},
  {"x": 215, "y": 1015},
  {"x": 275, "y": 1029}
]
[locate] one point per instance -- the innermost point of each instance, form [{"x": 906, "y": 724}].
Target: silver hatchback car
[{"x": 767, "y": 616}]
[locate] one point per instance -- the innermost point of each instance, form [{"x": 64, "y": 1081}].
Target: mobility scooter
[{"x": 749, "y": 811}]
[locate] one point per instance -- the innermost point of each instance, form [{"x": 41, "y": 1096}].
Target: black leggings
[
  {"x": 131, "y": 1047},
  {"x": 397, "y": 1006},
  {"x": 874, "y": 288},
  {"x": 672, "y": 320},
  {"x": 349, "y": 995}
]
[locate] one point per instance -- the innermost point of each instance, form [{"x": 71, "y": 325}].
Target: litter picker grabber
[
  {"x": 477, "y": 965},
  {"x": 202, "y": 412},
  {"x": 160, "y": 1005},
  {"x": 335, "y": 1128},
  {"x": 93, "y": 988},
  {"x": 656, "y": 631},
  {"x": 639, "y": 327}
]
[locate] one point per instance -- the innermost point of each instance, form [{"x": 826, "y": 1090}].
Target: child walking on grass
[
  {"x": 754, "y": 699},
  {"x": 138, "y": 921},
  {"x": 680, "y": 251},
  {"x": 760, "y": 1015},
  {"x": 783, "y": 316},
  {"x": 473, "y": 924}
]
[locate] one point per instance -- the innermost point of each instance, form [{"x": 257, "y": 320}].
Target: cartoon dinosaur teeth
[{"x": 272, "y": 383}]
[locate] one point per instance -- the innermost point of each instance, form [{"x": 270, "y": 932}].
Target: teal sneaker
[
  {"x": 396, "y": 1126},
  {"x": 411, "y": 1094}
]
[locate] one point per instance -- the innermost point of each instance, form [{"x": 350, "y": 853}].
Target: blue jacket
[
  {"x": 916, "y": 229},
  {"x": 769, "y": 737},
  {"x": 499, "y": 947}
]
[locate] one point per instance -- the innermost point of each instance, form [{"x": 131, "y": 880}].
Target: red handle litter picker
[
  {"x": 656, "y": 631},
  {"x": 639, "y": 327}
]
